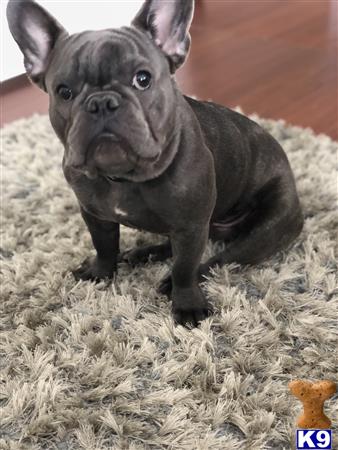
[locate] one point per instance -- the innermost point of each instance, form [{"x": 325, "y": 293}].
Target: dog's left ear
[{"x": 167, "y": 22}]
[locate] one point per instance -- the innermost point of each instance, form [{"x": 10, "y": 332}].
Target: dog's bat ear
[
  {"x": 168, "y": 22},
  {"x": 36, "y": 33}
]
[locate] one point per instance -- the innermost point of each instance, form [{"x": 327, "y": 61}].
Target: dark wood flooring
[{"x": 274, "y": 57}]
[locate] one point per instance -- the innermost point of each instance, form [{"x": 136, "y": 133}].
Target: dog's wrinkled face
[
  {"x": 112, "y": 103},
  {"x": 112, "y": 96}
]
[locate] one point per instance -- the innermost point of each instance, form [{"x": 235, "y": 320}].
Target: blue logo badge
[{"x": 314, "y": 439}]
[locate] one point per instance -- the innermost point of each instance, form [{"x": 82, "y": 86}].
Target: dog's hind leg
[
  {"x": 142, "y": 255},
  {"x": 275, "y": 221}
]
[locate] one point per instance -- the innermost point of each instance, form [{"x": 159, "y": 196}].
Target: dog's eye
[
  {"x": 142, "y": 80},
  {"x": 65, "y": 92}
]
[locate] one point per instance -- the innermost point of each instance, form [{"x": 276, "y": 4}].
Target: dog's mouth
[
  {"x": 118, "y": 179},
  {"x": 116, "y": 158},
  {"x": 110, "y": 155},
  {"x": 113, "y": 157},
  {"x": 108, "y": 135}
]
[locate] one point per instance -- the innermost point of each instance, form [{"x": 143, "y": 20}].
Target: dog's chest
[{"x": 118, "y": 202}]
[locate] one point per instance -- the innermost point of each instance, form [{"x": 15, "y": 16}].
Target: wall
[{"x": 75, "y": 16}]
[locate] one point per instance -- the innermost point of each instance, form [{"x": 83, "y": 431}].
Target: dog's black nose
[{"x": 105, "y": 102}]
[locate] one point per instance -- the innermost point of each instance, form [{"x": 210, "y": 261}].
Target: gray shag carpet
[{"x": 87, "y": 366}]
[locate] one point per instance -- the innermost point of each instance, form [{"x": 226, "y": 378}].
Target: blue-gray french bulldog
[{"x": 141, "y": 154}]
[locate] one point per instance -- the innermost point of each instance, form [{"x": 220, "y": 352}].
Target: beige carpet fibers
[{"x": 88, "y": 366}]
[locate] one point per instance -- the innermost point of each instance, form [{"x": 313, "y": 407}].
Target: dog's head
[{"x": 112, "y": 95}]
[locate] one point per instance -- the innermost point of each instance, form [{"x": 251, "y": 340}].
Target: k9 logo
[{"x": 315, "y": 439}]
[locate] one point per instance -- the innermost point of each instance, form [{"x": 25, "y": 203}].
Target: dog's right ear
[{"x": 36, "y": 33}]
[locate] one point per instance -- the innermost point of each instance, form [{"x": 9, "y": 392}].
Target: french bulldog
[{"x": 138, "y": 152}]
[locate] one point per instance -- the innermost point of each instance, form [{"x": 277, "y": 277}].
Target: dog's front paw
[
  {"x": 190, "y": 307},
  {"x": 95, "y": 269}
]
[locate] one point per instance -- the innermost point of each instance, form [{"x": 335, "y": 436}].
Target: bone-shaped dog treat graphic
[{"x": 313, "y": 396}]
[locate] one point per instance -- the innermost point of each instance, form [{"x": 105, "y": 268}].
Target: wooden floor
[{"x": 274, "y": 57}]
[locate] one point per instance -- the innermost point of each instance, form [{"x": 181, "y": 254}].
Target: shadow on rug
[{"x": 89, "y": 367}]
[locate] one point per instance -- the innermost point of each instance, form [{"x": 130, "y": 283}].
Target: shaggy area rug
[{"x": 92, "y": 367}]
